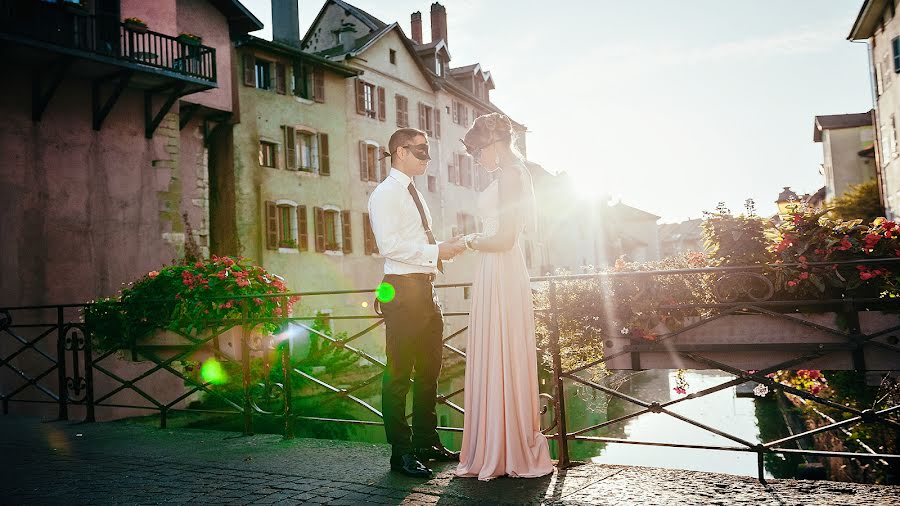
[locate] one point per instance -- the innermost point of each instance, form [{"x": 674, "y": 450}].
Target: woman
[{"x": 501, "y": 432}]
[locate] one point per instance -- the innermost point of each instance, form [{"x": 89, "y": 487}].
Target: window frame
[{"x": 274, "y": 153}]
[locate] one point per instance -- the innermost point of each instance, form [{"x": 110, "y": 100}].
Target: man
[{"x": 414, "y": 324}]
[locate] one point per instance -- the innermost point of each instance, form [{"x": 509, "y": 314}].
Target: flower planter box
[
  {"x": 758, "y": 341},
  {"x": 191, "y": 41},
  {"x": 166, "y": 344},
  {"x": 135, "y": 27}
]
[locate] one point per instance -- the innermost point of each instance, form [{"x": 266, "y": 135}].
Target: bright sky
[{"x": 669, "y": 106}]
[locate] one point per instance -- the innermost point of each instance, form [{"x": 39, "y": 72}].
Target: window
[
  {"x": 895, "y": 48},
  {"x": 372, "y": 167},
  {"x": 465, "y": 170},
  {"x": 332, "y": 228},
  {"x": 370, "y": 246},
  {"x": 309, "y": 82},
  {"x": 370, "y": 100},
  {"x": 432, "y": 184},
  {"x": 461, "y": 114},
  {"x": 263, "y": 75},
  {"x": 438, "y": 66},
  {"x": 426, "y": 119},
  {"x": 286, "y": 225},
  {"x": 465, "y": 223},
  {"x": 453, "y": 170},
  {"x": 393, "y": 57},
  {"x": 307, "y": 151},
  {"x": 402, "y": 111},
  {"x": 266, "y": 154}
]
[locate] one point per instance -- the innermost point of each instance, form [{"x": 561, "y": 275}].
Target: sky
[{"x": 670, "y": 107}]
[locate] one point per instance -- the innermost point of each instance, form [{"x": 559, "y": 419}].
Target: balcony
[{"x": 59, "y": 40}]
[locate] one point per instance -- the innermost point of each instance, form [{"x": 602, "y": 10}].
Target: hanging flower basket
[{"x": 136, "y": 25}]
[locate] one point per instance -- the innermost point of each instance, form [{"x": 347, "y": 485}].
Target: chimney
[
  {"x": 347, "y": 35},
  {"x": 439, "y": 23},
  {"x": 416, "y": 22},
  {"x": 285, "y": 22}
]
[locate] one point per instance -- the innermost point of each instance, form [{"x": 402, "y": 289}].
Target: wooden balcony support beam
[{"x": 41, "y": 92}]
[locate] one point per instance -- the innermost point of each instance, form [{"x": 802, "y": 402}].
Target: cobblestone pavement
[{"x": 119, "y": 463}]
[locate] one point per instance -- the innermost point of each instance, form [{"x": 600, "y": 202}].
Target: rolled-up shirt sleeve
[{"x": 384, "y": 213}]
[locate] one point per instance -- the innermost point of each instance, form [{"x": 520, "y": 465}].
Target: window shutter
[
  {"x": 347, "y": 234},
  {"x": 384, "y": 166},
  {"x": 437, "y": 123},
  {"x": 452, "y": 175},
  {"x": 318, "y": 85},
  {"x": 455, "y": 111},
  {"x": 399, "y": 102},
  {"x": 405, "y": 112},
  {"x": 303, "y": 229},
  {"x": 363, "y": 161},
  {"x": 280, "y": 84},
  {"x": 298, "y": 78},
  {"x": 320, "y": 228},
  {"x": 367, "y": 234},
  {"x": 360, "y": 97},
  {"x": 465, "y": 116},
  {"x": 290, "y": 156},
  {"x": 271, "y": 225},
  {"x": 382, "y": 106},
  {"x": 324, "y": 162},
  {"x": 421, "y": 116},
  {"x": 249, "y": 70}
]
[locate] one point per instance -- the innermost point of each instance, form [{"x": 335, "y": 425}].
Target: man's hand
[{"x": 451, "y": 248}]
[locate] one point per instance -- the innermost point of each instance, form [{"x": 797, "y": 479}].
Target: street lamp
[{"x": 787, "y": 201}]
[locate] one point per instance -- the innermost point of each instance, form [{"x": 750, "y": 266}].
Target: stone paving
[{"x": 120, "y": 463}]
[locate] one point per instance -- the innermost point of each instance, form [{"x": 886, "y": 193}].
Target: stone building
[{"x": 848, "y": 150}]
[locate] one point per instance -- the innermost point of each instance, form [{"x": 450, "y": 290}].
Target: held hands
[{"x": 449, "y": 249}]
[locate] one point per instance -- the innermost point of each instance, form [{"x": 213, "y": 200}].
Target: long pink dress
[{"x": 501, "y": 432}]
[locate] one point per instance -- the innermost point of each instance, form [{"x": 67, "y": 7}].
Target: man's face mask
[{"x": 419, "y": 151}]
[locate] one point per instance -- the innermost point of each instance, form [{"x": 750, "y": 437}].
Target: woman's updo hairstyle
[{"x": 493, "y": 127}]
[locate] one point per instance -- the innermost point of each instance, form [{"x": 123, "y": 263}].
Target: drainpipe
[{"x": 873, "y": 93}]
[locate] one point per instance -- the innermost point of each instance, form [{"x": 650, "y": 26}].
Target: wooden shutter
[
  {"x": 367, "y": 234},
  {"x": 249, "y": 70},
  {"x": 421, "y": 116},
  {"x": 346, "y": 234},
  {"x": 360, "y": 97},
  {"x": 319, "y": 216},
  {"x": 437, "y": 123},
  {"x": 303, "y": 229},
  {"x": 452, "y": 171},
  {"x": 271, "y": 225},
  {"x": 382, "y": 106},
  {"x": 465, "y": 116},
  {"x": 280, "y": 77},
  {"x": 363, "y": 161},
  {"x": 455, "y": 111},
  {"x": 290, "y": 156},
  {"x": 384, "y": 166},
  {"x": 398, "y": 99},
  {"x": 324, "y": 161},
  {"x": 318, "y": 85}
]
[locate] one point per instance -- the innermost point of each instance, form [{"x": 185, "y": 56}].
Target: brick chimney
[
  {"x": 285, "y": 22},
  {"x": 438, "y": 23},
  {"x": 416, "y": 21}
]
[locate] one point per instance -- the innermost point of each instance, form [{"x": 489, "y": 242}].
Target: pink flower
[
  {"x": 680, "y": 390},
  {"x": 804, "y": 275},
  {"x": 792, "y": 283}
]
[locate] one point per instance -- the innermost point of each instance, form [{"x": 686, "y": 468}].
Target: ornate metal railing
[
  {"x": 73, "y": 28},
  {"x": 55, "y": 341}
]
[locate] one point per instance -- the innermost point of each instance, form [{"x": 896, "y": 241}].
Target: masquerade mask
[{"x": 419, "y": 151}]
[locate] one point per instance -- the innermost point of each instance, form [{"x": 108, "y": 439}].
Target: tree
[{"x": 859, "y": 202}]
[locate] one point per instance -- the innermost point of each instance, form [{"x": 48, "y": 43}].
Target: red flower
[
  {"x": 888, "y": 225},
  {"x": 797, "y": 219},
  {"x": 680, "y": 390},
  {"x": 792, "y": 283},
  {"x": 845, "y": 244},
  {"x": 804, "y": 275},
  {"x": 888, "y": 234}
]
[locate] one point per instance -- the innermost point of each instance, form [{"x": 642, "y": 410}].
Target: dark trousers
[{"x": 414, "y": 333}]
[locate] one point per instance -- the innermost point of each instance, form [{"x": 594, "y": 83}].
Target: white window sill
[
  {"x": 334, "y": 253},
  {"x": 289, "y": 250},
  {"x": 304, "y": 101}
]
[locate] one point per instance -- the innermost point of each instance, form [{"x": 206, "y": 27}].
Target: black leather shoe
[
  {"x": 438, "y": 453},
  {"x": 409, "y": 465}
]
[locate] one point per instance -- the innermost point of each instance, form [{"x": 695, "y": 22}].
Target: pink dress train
[{"x": 502, "y": 434}]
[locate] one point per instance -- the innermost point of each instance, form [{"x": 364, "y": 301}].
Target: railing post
[
  {"x": 245, "y": 362},
  {"x": 88, "y": 377},
  {"x": 61, "y": 364},
  {"x": 288, "y": 392},
  {"x": 559, "y": 397}
]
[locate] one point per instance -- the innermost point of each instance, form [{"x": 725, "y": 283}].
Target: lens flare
[
  {"x": 364, "y": 304},
  {"x": 385, "y": 293},
  {"x": 213, "y": 372}
]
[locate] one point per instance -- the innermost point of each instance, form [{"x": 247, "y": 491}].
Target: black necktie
[{"x": 428, "y": 234}]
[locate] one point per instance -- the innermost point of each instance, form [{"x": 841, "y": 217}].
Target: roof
[
  {"x": 367, "y": 19},
  {"x": 685, "y": 230},
  {"x": 240, "y": 20},
  {"x": 626, "y": 210},
  {"x": 867, "y": 20},
  {"x": 838, "y": 121},
  {"x": 434, "y": 46},
  {"x": 293, "y": 52}
]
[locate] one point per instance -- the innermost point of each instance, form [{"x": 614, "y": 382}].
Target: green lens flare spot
[
  {"x": 385, "y": 293},
  {"x": 213, "y": 372}
]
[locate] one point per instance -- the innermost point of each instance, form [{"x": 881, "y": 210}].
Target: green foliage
[
  {"x": 736, "y": 240},
  {"x": 859, "y": 202},
  {"x": 187, "y": 298}
]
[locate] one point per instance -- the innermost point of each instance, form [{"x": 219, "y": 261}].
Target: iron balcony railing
[
  {"x": 49, "y": 352},
  {"x": 71, "y": 29}
]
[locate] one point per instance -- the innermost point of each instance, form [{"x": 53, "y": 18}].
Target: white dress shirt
[{"x": 398, "y": 230}]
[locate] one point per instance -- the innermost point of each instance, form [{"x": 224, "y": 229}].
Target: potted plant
[
  {"x": 136, "y": 25},
  {"x": 190, "y": 39}
]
